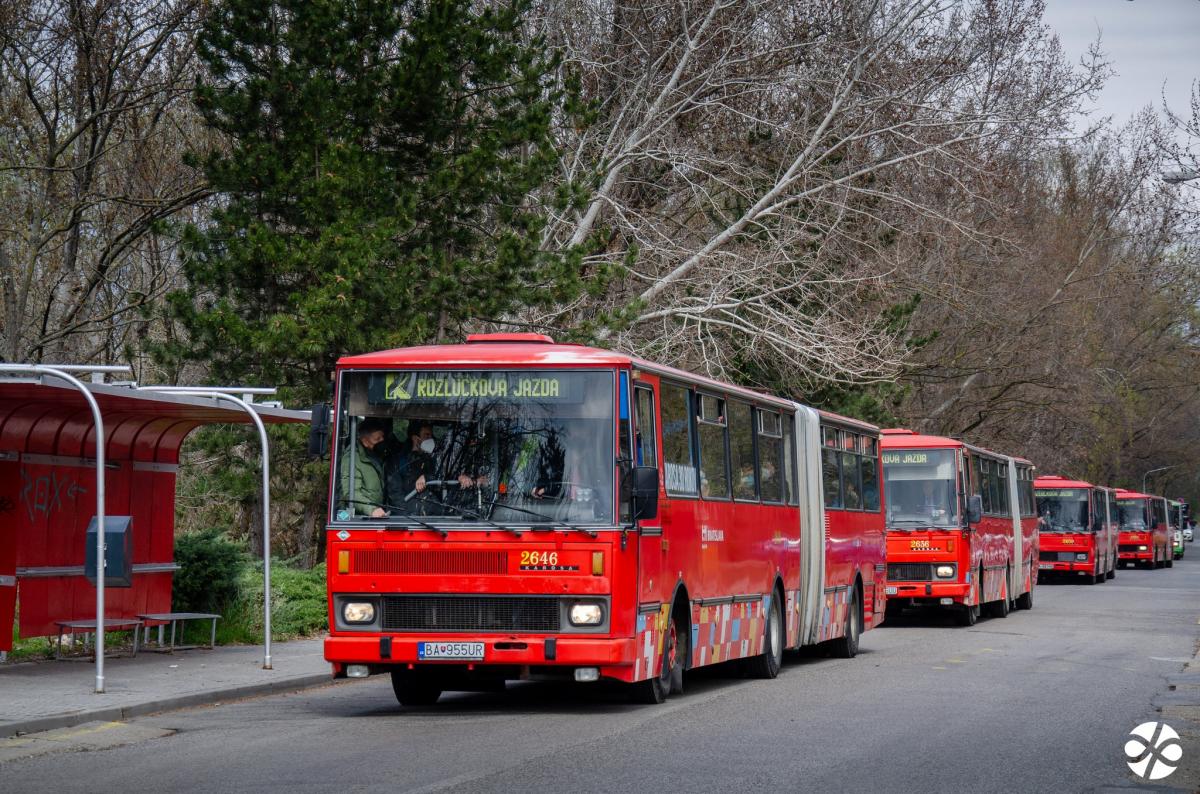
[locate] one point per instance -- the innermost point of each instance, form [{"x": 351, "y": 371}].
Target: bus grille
[
  {"x": 1128, "y": 547},
  {"x": 429, "y": 561},
  {"x": 909, "y": 572},
  {"x": 471, "y": 613},
  {"x": 1057, "y": 556}
]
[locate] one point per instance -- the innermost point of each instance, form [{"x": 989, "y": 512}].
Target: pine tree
[{"x": 375, "y": 189}]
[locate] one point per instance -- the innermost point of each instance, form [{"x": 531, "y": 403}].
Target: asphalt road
[{"x": 1039, "y": 701}]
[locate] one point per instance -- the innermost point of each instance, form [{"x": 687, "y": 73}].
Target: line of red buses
[{"x": 513, "y": 507}]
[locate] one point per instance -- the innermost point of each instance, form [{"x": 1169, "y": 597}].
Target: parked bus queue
[{"x": 512, "y": 507}]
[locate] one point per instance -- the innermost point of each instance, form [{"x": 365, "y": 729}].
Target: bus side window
[
  {"x": 741, "y": 447},
  {"x": 679, "y": 465},
  {"x": 645, "y": 446},
  {"x": 714, "y": 458},
  {"x": 870, "y": 474},
  {"x": 1002, "y": 487},
  {"x": 624, "y": 426},
  {"x": 789, "y": 460},
  {"x": 851, "y": 474},
  {"x": 831, "y": 474},
  {"x": 770, "y": 456}
]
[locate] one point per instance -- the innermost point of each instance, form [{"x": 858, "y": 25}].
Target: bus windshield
[
  {"x": 1133, "y": 514},
  {"x": 522, "y": 447},
  {"x": 920, "y": 488},
  {"x": 1063, "y": 509}
]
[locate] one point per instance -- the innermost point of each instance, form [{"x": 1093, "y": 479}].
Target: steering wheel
[{"x": 428, "y": 483}]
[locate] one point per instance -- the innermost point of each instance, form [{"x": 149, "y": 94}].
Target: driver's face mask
[{"x": 428, "y": 446}]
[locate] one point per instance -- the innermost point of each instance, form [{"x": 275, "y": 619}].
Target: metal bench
[
  {"x": 175, "y": 618},
  {"x": 89, "y": 626}
]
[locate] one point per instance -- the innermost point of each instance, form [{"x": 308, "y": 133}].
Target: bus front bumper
[
  {"x": 930, "y": 592},
  {"x": 1060, "y": 567},
  {"x": 1135, "y": 555},
  {"x": 564, "y": 651}
]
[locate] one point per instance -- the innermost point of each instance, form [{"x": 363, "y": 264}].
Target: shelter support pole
[
  {"x": 39, "y": 369},
  {"x": 266, "y": 492}
]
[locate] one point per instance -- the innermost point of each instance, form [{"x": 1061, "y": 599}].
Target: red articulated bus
[
  {"x": 962, "y": 531},
  {"x": 1077, "y": 526},
  {"x": 560, "y": 510},
  {"x": 1144, "y": 538}
]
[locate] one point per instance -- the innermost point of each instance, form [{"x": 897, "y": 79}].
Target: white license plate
[
  {"x": 1046, "y": 566},
  {"x": 890, "y": 591},
  {"x": 450, "y": 650}
]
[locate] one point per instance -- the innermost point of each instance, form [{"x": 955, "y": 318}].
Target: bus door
[{"x": 646, "y": 445}]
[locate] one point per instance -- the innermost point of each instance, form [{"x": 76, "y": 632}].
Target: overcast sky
[{"x": 1148, "y": 42}]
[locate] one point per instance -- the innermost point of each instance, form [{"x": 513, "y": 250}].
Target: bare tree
[
  {"x": 94, "y": 124},
  {"x": 740, "y": 177}
]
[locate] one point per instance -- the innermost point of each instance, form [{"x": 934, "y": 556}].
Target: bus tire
[
  {"x": 968, "y": 615},
  {"x": 670, "y": 676},
  {"x": 1170, "y": 563},
  {"x": 1025, "y": 600},
  {"x": 1112, "y": 573},
  {"x": 768, "y": 663},
  {"x": 846, "y": 646},
  {"x": 1000, "y": 608},
  {"x": 411, "y": 691}
]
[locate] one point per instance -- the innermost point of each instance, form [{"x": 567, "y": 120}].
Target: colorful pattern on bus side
[{"x": 833, "y": 617}]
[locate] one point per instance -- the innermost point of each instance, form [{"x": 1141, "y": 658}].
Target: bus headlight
[
  {"x": 1081, "y": 556},
  {"x": 358, "y": 612},
  {"x": 586, "y": 614},
  {"x": 944, "y": 572},
  {"x": 1143, "y": 548}
]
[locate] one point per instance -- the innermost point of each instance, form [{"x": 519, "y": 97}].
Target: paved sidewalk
[{"x": 40, "y": 696}]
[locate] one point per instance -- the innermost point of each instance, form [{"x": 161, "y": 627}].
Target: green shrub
[
  {"x": 298, "y": 605},
  {"x": 209, "y": 572}
]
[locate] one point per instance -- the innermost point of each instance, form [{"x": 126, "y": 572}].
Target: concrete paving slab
[{"x": 41, "y": 696}]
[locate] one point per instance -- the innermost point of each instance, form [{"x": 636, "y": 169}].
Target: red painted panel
[{"x": 8, "y": 550}]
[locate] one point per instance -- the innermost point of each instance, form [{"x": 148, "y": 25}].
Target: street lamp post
[{"x": 1160, "y": 468}]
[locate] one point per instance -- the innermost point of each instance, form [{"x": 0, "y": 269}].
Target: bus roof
[
  {"x": 902, "y": 438},
  {"x": 536, "y": 351},
  {"x": 1126, "y": 494},
  {"x": 1057, "y": 481}
]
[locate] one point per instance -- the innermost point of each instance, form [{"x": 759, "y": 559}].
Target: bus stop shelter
[{"x": 48, "y": 491}]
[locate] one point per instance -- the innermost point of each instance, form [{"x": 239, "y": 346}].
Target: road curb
[{"x": 120, "y": 713}]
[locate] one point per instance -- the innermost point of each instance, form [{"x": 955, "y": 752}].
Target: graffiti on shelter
[{"x": 44, "y": 494}]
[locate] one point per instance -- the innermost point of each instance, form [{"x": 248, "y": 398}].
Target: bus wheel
[
  {"x": 968, "y": 615},
  {"x": 670, "y": 675},
  {"x": 767, "y": 663},
  {"x": 1025, "y": 600},
  {"x": 1170, "y": 563},
  {"x": 1112, "y": 572},
  {"x": 412, "y": 691},
  {"x": 1000, "y": 608},
  {"x": 846, "y": 646}
]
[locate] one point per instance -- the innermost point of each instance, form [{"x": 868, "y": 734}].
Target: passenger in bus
[
  {"x": 362, "y": 482},
  {"x": 409, "y": 468}
]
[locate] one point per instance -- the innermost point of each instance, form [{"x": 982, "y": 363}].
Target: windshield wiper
[
  {"x": 548, "y": 519},
  {"x": 917, "y": 523},
  {"x": 470, "y": 514},
  {"x": 444, "y": 533}
]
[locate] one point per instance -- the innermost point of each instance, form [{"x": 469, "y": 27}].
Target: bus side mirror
[
  {"x": 318, "y": 431},
  {"x": 645, "y": 493},
  {"x": 974, "y": 509}
]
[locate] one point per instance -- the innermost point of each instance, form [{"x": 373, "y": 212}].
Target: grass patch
[{"x": 298, "y": 605}]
